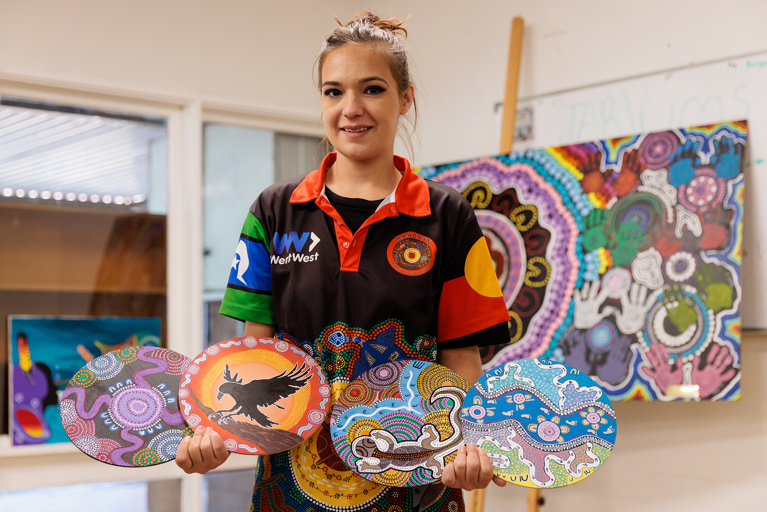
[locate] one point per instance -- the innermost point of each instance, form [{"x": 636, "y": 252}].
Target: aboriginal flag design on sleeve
[
  {"x": 472, "y": 300},
  {"x": 248, "y": 293}
]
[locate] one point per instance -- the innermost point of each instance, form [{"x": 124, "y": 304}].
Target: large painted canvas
[
  {"x": 46, "y": 352},
  {"x": 620, "y": 257}
]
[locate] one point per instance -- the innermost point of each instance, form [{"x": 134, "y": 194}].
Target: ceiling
[{"x": 91, "y": 156}]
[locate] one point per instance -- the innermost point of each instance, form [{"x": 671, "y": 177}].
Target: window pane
[
  {"x": 83, "y": 230},
  {"x": 240, "y": 163}
]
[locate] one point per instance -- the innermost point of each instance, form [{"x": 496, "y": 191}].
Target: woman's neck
[{"x": 363, "y": 180}]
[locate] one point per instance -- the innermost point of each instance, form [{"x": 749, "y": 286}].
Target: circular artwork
[
  {"x": 261, "y": 395},
  {"x": 122, "y": 407},
  {"x": 544, "y": 424},
  {"x": 398, "y": 424}
]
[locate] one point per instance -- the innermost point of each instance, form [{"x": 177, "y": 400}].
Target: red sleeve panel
[{"x": 473, "y": 301}]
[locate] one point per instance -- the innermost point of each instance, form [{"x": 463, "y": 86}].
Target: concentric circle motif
[
  {"x": 680, "y": 266},
  {"x": 357, "y": 393},
  {"x": 404, "y": 440},
  {"x": 477, "y": 412},
  {"x": 616, "y": 281},
  {"x": 84, "y": 377},
  {"x": 382, "y": 376},
  {"x": 704, "y": 191},
  {"x": 639, "y": 215},
  {"x": 105, "y": 367},
  {"x": 316, "y": 416},
  {"x": 68, "y": 412},
  {"x": 529, "y": 209},
  {"x": 262, "y": 395},
  {"x": 122, "y": 407},
  {"x": 147, "y": 457},
  {"x": 550, "y": 426},
  {"x": 177, "y": 363},
  {"x": 682, "y": 340},
  {"x": 80, "y": 428},
  {"x": 136, "y": 408},
  {"x": 89, "y": 445},
  {"x": 166, "y": 443},
  {"x": 601, "y": 337},
  {"x": 507, "y": 249},
  {"x": 411, "y": 253},
  {"x": 126, "y": 355},
  {"x": 657, "y": 149}
]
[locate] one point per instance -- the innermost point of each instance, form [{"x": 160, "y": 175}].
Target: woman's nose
[{"x": 352, "y": 105}]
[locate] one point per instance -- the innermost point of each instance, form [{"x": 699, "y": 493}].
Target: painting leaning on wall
[{"x": 620, "y": 257}]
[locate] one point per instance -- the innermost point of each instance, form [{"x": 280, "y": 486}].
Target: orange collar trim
[{"x": 411, "y": 196}]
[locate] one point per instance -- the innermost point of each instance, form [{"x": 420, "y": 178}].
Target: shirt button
[
  {"x": 338, "y": 222},
  {"x": 345, "y": 244},
  {"x": 391, "y": 209}
]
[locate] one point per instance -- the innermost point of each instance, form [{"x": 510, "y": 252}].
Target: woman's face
[{"x": 360, "y": 102}]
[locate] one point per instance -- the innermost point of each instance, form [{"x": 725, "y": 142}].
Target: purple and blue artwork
[
  {"x": 122, "y": 408},
  {"x": 544, "y": 424}
]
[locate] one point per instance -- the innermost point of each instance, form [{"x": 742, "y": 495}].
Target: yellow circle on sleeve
[{"x": 479, "y": 270}]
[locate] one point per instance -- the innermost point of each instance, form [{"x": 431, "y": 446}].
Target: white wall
[{"x": 701, "y": 457}]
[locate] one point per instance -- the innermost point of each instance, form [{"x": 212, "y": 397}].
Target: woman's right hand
[{"x": 201, "y": 452}]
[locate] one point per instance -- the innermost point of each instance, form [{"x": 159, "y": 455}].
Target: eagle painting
[{"x": 250, "y": 397}]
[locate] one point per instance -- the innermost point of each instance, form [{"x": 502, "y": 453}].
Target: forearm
[
  {"x": 258, "y": 330},
  {"x": 464, "y": 361}
]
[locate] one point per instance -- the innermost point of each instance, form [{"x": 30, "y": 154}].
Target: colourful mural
[
  {"x": 46, "y": 352},
  {"x": 620, "y": 257}
]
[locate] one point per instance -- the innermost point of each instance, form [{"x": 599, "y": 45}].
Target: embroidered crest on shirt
[{"x": 411, "y": 253}]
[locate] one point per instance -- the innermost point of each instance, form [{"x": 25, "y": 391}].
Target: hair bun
[{"x": 392, "y": 25}]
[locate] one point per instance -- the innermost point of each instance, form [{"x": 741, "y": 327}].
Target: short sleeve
[
  {"x": 248, "y": 295},
  {"x": 471, "y": 299}
]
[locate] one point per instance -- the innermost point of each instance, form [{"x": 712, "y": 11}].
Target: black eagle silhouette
[{"x": 248, "y": 398}]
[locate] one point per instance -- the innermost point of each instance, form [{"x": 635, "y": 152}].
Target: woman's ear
[{"x": 407, "y": 99}]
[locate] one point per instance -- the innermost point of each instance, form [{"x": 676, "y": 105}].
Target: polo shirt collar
[{"x": 411, "y": 197}]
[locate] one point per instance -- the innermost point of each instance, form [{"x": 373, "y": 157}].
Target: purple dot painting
[{"x": 122, "y": 407}]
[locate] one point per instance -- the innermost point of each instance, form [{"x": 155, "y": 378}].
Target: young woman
[{"x": 359, "y": 263}]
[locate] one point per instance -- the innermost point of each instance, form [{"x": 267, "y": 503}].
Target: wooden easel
[{"x": 477, "y": 497}]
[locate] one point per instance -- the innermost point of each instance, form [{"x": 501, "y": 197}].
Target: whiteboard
[{"x": 728, "y": 90}]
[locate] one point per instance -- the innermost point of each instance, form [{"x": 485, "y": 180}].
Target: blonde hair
[{"x": 386, "y": 36}]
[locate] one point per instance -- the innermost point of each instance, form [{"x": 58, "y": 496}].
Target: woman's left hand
[{"x": 471, "y": 469}]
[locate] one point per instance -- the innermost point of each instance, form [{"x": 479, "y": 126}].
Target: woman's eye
[
  {"x": 332, "y": 93},
  {"x": 374, "y": 89}
]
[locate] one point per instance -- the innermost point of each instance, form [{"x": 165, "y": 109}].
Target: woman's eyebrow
[
  {"x": 373, "y": 79},
  {"x": 362, "y": 81}
]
